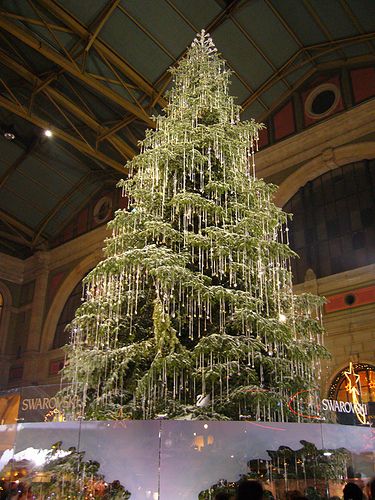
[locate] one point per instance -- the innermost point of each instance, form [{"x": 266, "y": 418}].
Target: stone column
[{"x": 33, "y": 367}]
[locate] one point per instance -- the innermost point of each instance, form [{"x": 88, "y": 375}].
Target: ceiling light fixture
[
  {"x": 9, "y": 133},
  {"x": 48, "y": 132}
]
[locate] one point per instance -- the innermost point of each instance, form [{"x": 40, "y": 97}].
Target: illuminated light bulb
[
  {"x": 282, "y": 318},
  {"x": 205, "y": 426},
  {"x": 48, "y": 132},
  {"x": 327, "y": 453}
]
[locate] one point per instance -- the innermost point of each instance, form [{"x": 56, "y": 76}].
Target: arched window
[
  {"x": 332, "y": 229},
  {"x": 365, "y": 384},
  {"x": 62, "y": 336}
]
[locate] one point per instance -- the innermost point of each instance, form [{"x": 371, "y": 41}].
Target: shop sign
[
  {"x": 344, "y": 407},
  {"x": 39, "y": 404}
]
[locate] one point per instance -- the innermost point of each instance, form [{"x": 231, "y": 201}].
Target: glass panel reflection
[
  {"x": 189, "y": 460},
  {"x": 7, "y": 439},
  {"x": 359, "y": 443},
  {"x": 214, "y": 456},
  {"x": 45, "y": 459},
  {"x": 128, "y": 452}
]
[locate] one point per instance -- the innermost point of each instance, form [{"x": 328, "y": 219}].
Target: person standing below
[
  {"x": 352, "y": 492},
  {"x": 370, "y": 489}
]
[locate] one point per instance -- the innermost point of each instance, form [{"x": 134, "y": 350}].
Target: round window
[
  {"x": 102, "y": 209},
  {"x": 322, "y": 100}
]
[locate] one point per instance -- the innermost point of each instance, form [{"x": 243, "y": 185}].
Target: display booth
[
  {"x": 164, "y": 459},
  {"x": 182, "y": 459}
]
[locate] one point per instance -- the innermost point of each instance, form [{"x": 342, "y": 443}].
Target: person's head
[
  {"x": 352, "y": 492},
  {"x": 249, "y": 490}
]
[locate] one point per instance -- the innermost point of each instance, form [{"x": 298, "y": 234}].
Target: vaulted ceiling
[{"x": 95, "y": 71}]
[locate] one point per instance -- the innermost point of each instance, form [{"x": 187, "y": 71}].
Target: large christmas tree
[{"x": 191, "y": 314}]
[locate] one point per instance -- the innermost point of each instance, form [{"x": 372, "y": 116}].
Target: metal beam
[
  {"x": 323, "y": 28},
  {"x": 256, "y": 46},
  {"x": 355, "y": 21},
  {"x": 71, "y": 68},
  {"x": 320, "y": 67},
  {"x": 16, "y": 224},
  {"x": 58, "y": 206},
  {"x": 15, "y": 239},
  {"x": 343, "y": 41},
  {"x": 17, "y": 162},
  {"x": 121, "y": 81},
  {"x": 81, "y": 30},
  {"x": 43, "y": 124},
  {"x": 36, "y": 22},
  {"x": 233, "y": 5},
  {"x": 146, "y": 32},
  {"x": 109, "y": 132},
  {"x": 287, "y": 67},
  {"x": 76, "y": 110},
  {"x": 285, "y": 95},
  {"x": 106, "y": 15}
]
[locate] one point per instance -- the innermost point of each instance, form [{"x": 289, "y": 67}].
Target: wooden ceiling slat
[{"x": 121, "y": 81}]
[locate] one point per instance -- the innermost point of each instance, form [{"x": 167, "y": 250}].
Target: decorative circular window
[
  {"x": 322, "y": 100},
  {"x": 350, "y": 299},
  {"x": 363, "y": 379},
  {"x": 102, "y": 209}
]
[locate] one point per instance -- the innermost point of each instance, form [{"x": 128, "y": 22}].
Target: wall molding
[
  {"x": 341, "y": 129},
  {"x": 329, "y": 159}
]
